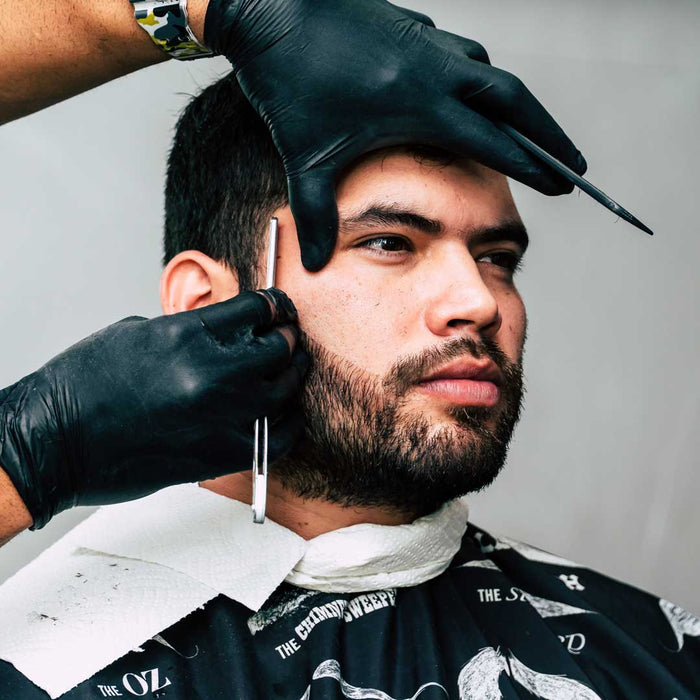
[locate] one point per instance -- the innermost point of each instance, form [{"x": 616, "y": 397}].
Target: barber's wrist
[
  {"x": 197, "y": 11},
  {"x": 169, "y": 25},
  {"x": 33, "y": 448},
  {"x": 14, "y": 515}
]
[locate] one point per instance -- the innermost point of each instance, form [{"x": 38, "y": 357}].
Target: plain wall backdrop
[{"x": 603, "y": 467}]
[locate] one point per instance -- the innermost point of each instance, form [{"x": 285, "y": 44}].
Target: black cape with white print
[{"x": 506, "y": 620}]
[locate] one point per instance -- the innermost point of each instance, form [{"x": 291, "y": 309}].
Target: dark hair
[{"x": 225, "y": 178}]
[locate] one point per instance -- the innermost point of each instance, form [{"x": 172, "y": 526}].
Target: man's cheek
[
  {"x": 360, "y": 344},
  {"x": 522, "y": 335},
  {"x": 511, "y": 336}
]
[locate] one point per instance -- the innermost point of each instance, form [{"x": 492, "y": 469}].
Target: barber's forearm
[
  {"x": 14, "y": 516},
  {"x": 54, "y": 49}
]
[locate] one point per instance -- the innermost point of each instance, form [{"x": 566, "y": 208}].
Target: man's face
[{"x": 416, "y": 332}]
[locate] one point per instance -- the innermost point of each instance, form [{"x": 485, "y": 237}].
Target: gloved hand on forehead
[
  {"x": 334, "y": 79},
  {"x": 145, "y": 404}
]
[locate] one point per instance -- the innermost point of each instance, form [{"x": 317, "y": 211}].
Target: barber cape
[{"x": 180, "y": 595}]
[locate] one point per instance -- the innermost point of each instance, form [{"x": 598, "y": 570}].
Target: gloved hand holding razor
[{"x": 145, "y": 404}]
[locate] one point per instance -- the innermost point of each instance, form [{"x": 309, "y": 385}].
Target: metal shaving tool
[
  {"x": 259, "y": 472},
  {"x": 260, "y": 441},
  {"x": 571, "y": 176}
]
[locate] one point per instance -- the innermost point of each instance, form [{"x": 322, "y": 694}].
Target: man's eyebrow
[
  {"x": 514, "y": 231},
  {"x": 391, "y": 215},
  {"x": 388, "y": 215}
]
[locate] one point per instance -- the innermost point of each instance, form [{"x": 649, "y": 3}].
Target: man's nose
[{"x": 459, "y": 301}]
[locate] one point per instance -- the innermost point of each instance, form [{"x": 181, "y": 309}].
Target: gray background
[{"x": 603, "y": 469}]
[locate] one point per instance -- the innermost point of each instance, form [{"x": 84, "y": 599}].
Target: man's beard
[{"x": 361, "y": 449}]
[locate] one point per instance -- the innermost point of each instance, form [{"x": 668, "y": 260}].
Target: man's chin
[{"x": 462, "y": 422}]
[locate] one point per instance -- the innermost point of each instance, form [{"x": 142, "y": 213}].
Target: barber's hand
[
  {"x": 145, "y": 404},
  {"x": 334, "y": 79}
]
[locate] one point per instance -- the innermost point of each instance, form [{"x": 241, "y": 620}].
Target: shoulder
[
  {"x": 559, "y": 588},
  {"x": 530, "y": 565}
]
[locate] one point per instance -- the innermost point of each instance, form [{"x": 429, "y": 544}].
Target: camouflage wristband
[{"x": 166, "y": 23}]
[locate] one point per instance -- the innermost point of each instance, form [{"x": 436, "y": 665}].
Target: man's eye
[
  {"x": 505, "y": 259},
  {"x": 386, "y": 244}
]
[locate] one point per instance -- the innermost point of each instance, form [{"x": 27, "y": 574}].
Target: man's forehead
[
  {"x": 401, "y": 189},
  {"x": 428, "y": 165}
]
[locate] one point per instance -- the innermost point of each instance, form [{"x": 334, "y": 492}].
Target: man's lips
[{"x": 465, "y": 383}]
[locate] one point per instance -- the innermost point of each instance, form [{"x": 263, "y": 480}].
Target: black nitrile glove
[
  {"x": 334, "y": 79},
  {"x": 145, "y": 404}
]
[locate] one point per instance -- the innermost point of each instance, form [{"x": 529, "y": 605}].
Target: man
[
  {"x": 415, "y": 330},
  {"x": 332, "y": 80}
]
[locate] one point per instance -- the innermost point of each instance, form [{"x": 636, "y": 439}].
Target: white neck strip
[{"x": 372, "y": 557}]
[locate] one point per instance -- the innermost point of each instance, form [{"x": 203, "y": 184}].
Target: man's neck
[{"x": 308, "y": 518}]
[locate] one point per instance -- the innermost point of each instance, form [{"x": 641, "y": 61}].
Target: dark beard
[{"x": 360, "y": 450}]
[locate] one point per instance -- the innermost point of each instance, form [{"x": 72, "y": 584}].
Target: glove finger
[
  {"x": 227, "y": 319},
  {"x": 313, "y": 204},
  {"x": 132, "y": 319},
  {"x": 475, "y": 51},
  {"x": 284, "y": 433},
  {"x": 284, "y": 310},
  {"x": 458, "y": 45},
  {"x": 291, "y": 335},
  {"x": 417, "y": 16},
  {"x": 501, "y": 96},
  {"x": 470, "y": 135},
  {"x": 289, "y": 382},
  {"x": 272, "y": 349},
  {"x": 301, "y": 362}
]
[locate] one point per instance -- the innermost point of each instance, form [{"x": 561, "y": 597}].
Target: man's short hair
[{"x": 225, "y": 179}]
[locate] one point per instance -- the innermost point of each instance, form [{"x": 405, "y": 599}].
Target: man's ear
[{"x": 192, "y": 280}]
